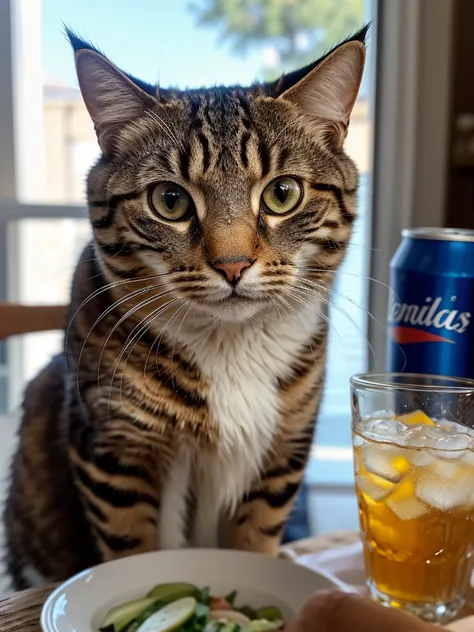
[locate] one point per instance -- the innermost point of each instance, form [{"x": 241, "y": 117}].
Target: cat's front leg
[
  {"x": 260, "y": 520},
  {"x": 118, "y": 482}
]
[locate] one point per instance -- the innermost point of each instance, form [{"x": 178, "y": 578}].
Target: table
[{"x": 20, "y": 612}]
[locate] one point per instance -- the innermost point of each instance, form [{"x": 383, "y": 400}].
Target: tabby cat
[{"x": 183, "y": 410}]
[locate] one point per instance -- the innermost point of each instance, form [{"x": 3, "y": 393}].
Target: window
[{"x": 181, "y": 45}]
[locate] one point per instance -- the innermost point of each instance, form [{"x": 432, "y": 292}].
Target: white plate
[{"x": 79, "y": 604}]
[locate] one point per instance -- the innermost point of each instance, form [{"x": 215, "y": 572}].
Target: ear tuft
[{"x": 79, "y": 43}]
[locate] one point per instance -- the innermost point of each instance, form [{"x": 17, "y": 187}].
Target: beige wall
[
  {"x": 359, "y": 139},
  {"x": 70, "y": 148}
]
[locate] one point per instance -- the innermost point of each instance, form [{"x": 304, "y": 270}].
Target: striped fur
[{"x": 184, "y": 408}]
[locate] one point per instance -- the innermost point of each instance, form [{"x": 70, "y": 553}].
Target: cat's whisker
[
  {"x": 120, "y": 276},
  {"x": 345, "y": 297},
  {"x": 325, "y": 299},
  {"x": 105, "y": 313},
  {"x": 282, "y": 131},
  {"x": 323, "y": 316},
  {"x": 274, "y": 302},
  {"x": 142, "y": 327},
  {"x": 292, "y": 311},
  {"x": 325, "y": 290},
  {"x": 112, "y": 256},
  {"x": 285, "y": 304},
  {"x": 117, "y": 303},
  {"x": 145, "y": 369},
  {"x": 338, "y": 308},
  {"x": 159, "y": 338},
  {"x": 365, "y": 247},
  {"x": 303, "y": 329},
  {"x": 354, "y": 274},
  {"x": 132, "y": 336},
  {"x": 124, "y": 317},
  {"x": 305, "y": 303},
  {"x": 176, "y": 340},
  {"x": 165, "y": 128},
  {"x": 107, "y": 287}
]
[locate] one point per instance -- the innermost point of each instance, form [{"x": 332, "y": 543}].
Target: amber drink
[{"x": 414, "y": 476}]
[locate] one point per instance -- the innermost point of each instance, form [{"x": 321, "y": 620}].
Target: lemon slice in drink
[
  {"x": 373, "y": 487},
  {"x": 170, "y": 617},
  {"x": 416, "y": 418},
  {"x": 403, "y": 503}
]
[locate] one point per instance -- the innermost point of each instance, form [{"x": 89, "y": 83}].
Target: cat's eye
[
  {"x": 282, "y": 195},
  {"x": 170, "y": 201}
]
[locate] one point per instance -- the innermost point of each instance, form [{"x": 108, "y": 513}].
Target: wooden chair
[{"x": 17, "y": 319}]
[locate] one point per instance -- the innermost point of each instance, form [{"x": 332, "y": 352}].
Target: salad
[{"x": 185, "y": 608}]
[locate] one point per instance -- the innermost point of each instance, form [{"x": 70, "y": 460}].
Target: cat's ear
[
  {"x": 325, "y": 94},
  {"x": 111, "y": 97}
]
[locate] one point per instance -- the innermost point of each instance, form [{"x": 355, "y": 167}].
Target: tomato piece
[{"x": 219, "y": 603}]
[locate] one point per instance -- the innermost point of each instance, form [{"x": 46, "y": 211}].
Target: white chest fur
[{"x": 243, "y": 363}]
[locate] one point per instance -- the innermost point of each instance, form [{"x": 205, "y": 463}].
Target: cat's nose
[{"x": 232, "y": 268}]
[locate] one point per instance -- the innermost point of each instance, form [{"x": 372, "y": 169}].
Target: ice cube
[
  {"x": 443, "y": 468},
  {"x": 449, "y": 426},
  {"x": 357, "y": 440},
  {"x": 453, "y": 446},
  {"x": 446, "y": 493},
  {"x": 379, "y": 414},
  {"x": 375, "y": 487},
  {"x": 421, "y": 458},
  {"x": 468, "y": 458},
  {"x": 434, "y": 432},
  {"x": 419, "y": 437},
  {"x": 387, "y": 462},
  {"x": 407, "y": 508},
  {"x": 385, "y": 427}
]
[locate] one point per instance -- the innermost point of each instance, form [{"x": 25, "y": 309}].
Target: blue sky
[
  {"x": 152, "y": 39},
  {"x": 156, "y": 40}
]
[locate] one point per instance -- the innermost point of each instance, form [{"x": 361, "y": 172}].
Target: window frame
[
  {"x": 411, "y": 136},
  {"x": 407, "y": 34}
]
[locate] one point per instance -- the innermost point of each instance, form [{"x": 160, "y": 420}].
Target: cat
[{"x": 183, "y": 410}]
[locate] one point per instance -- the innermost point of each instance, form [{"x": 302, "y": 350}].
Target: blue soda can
[{"x": 431, "y": 306}]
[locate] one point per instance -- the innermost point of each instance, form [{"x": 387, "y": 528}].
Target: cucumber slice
[
  {"x": 262, "y": 625},
  {"x": 270, "y": 613},
  {"x": 172, "y": 592},
  {"x": 171, "y": 616},
  {"x": 142, "y": 617},
  {"x": 121, "y": 616}
]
